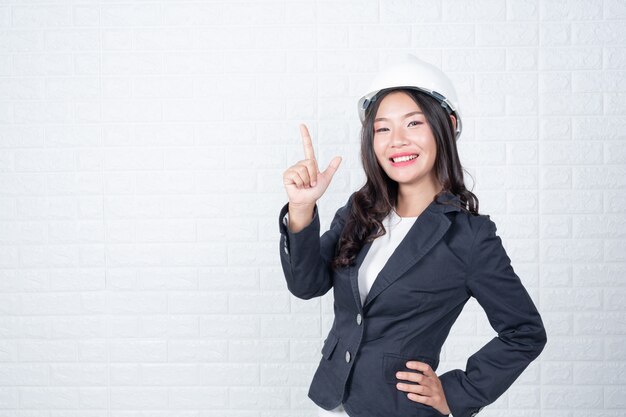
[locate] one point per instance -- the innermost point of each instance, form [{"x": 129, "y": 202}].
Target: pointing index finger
[{"x": 307, "y": 142}]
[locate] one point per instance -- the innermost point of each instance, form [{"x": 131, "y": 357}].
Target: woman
[{"x": 403, "y": 256}]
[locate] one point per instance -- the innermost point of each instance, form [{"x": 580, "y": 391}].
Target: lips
[{"x": 404, "y": 158}]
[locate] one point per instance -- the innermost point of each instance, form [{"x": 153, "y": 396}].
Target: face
[{"x": 404, "y": 143}]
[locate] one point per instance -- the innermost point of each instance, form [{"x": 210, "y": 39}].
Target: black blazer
[{"x": 447, "y": 257}]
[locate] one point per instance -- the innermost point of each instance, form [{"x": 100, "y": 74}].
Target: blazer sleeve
[
  {"x": 512, "y": 314},
  {"x": 305, "y": 256}
]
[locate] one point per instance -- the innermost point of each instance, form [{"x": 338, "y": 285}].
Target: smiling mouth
[{"x": 404, "y": 158}]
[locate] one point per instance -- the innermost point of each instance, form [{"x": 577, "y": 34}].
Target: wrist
[
  {"x": 301, "y": 207},
  {"x": 301, "y": 210},
  {"x": 300, "y": 216}
]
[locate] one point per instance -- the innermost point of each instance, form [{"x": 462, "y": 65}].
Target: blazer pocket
[
  {"x": 329, "y": 345},
  {"x": 393, "y": 363}
]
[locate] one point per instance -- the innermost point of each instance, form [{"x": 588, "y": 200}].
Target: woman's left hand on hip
[{"x": 427, "y": 390}]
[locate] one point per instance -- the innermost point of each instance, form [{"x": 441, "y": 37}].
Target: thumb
[{"x": 332, "y": 167}]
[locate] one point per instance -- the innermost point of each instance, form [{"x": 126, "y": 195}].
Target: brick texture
[{"x": 141, "y": 152}]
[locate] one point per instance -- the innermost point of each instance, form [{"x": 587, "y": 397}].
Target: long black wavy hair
[{"x": 375, "y": 200}]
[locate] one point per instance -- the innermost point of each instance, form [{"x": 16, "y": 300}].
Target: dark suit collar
[
  {"x": 430, "y": 226},
  {"x": 446, "y": 202}
]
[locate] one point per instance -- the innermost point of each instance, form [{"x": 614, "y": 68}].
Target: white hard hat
[{"x": 413, "y": 73}]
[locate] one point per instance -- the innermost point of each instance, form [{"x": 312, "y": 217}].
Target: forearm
[
  {"x": 300, "y": 216},
  {"x": 305, "y": 256},
  {"x": 492, "y": 370},
  {"x": 306, "y": 271}
]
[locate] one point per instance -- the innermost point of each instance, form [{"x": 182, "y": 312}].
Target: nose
[{"x": 397, "y": 138}]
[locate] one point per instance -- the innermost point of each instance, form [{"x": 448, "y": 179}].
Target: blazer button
[
  {"x": 347, "y": 357},
  {"x": 359, "y": 319}
]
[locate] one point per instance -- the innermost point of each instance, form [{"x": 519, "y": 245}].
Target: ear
[{"x": 453, "y": 121}]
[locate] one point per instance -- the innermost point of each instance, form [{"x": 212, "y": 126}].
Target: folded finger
[
  {"x": 303, "y": 171},
  {"x": 311, "y": 166},
  {"x": 293, "y": 177}
]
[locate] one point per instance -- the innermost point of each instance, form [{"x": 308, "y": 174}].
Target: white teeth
[{"x": 404, "y": 158}]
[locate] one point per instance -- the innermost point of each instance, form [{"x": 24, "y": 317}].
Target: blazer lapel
[
  {"x": 354, "y": 274},
  {"x": 430, "y": 226}
]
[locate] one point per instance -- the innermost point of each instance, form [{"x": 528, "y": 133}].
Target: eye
[
  {"x": 414, "y": 123},
  {"x": 381, "y": 129}
]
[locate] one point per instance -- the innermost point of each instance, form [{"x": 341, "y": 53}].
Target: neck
[{"x": 412, "y": 202}]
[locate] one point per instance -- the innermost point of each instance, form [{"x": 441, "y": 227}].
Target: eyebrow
[{"x": 404, "y": 117}]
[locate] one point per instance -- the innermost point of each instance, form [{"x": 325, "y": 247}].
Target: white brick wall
[{"x": 141, "y": 151}]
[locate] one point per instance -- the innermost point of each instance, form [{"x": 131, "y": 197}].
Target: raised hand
[{"x": 305, "y": 183}]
